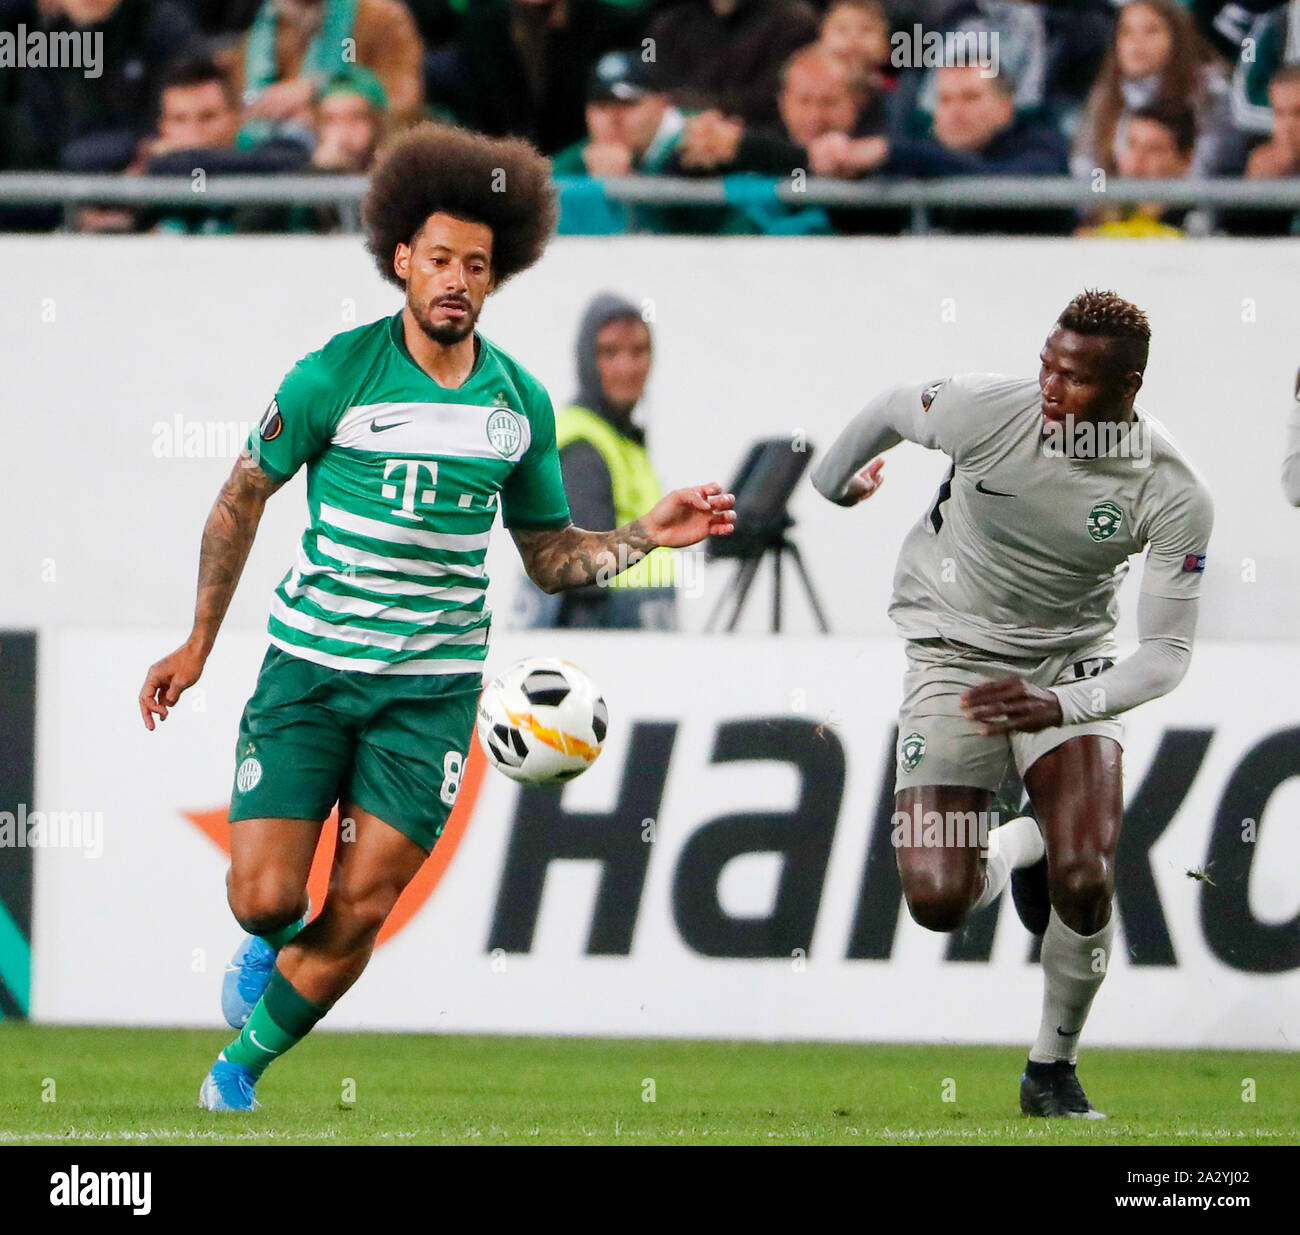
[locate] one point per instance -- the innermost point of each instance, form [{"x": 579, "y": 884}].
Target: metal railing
[{"x": 920, "y": 197}]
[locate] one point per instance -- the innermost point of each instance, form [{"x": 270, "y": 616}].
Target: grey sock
[{"x": 1073, "y": 968}]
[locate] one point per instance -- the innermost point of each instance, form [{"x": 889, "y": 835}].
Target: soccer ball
[{"x": 542, "y": 721}]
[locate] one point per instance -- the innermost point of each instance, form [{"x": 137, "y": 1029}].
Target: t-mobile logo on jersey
[
  {"x": 1069, "y": 438},
  {"x": 412, "y": 483}
]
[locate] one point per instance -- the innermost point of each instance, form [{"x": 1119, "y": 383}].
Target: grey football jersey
[{"x": 1023, "y": 548}]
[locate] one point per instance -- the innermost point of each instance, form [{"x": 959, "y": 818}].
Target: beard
[{"x": 447, "y": 332}]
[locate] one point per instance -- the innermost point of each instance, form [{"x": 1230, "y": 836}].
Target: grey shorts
[{"x": 937, "y": 745}]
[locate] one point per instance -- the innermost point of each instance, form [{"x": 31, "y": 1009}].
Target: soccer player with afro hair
[{"x": 413, "y": 430}]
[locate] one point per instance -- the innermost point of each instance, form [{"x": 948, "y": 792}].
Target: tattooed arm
[
  {"x": 574, "y": 557},
  {"x": 227, "y": 539}
]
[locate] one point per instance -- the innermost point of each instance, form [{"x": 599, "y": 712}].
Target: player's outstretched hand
[
  {"x": 166, "y": 681},
  {"x": 1010, "y": 705},
  {"x": 686, "y": 516},
  {"x": 865, "y": 483}
]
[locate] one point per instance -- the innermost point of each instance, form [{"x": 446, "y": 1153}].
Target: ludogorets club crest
[
  {"x": 1104, "y": 520},
  {"x": 911, "y": 751}
]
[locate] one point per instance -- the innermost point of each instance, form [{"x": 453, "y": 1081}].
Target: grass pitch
[{"x": 119, "y": 1086}]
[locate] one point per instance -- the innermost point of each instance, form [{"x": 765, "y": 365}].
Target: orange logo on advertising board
[{"x": 215, "y": 825}]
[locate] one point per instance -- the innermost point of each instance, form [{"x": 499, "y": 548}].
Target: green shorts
[{"x": 395, "y": 745}]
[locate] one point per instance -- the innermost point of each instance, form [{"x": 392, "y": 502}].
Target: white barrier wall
[
  {"x": 123, "y": 354},
  {"x": 723, "y": 870},
  {"x": 763, "y": 904}
]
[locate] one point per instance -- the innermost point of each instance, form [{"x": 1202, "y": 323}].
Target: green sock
[
  {"x": 277, "y": 939},
  {"x": 281, "y": 1019}
]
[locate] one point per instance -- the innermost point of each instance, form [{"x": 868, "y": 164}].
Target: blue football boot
[{"x": 228, "y": 1087}]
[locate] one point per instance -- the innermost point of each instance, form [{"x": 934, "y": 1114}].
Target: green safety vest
[{"x": 636, "y": 487}]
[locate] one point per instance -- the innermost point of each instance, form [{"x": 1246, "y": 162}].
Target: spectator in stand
[
  {"x": 1053, "y": 50},
  {"x": 520, "y": 67},
  {"x": 1277, "y": 159},
  {"x": 351, "y": 122},
  {"x": 1009, "y": 37},
  {"x": 1158, "y": 57},
  {"x": 822, "y": 113},
  {"x": 1280, "y": 155},
  {"x": 199, "y": 110},
  {"x": 632, "y": 125},
  {"x": 1152, "y": 143},
  {"x": 727, "y": 54},
  {"x": 819, "y": 107},
  {"x": 198, "y": 124},
  {"x": 633, "y": 128},
  {"x": 295, "y": 46},
  {"x": 856, "y": 33},
  {"x": 976, "y": 133},
  {"x": 63, "y": 118}
]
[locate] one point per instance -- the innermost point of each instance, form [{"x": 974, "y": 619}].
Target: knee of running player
[
  {"x": 265, "y": 902},
  {"x": 937, "y": 899},
  {"x": 1080, "y": 884}
]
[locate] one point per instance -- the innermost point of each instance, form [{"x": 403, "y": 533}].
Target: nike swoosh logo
[
  {"x": 232, "y": 968},
  {"x": 1072, "y": 1033},
  {"x": 979, "y": 488},
  {"x": 252, "y": 1036},
  {"x": 376, "y": 427}
]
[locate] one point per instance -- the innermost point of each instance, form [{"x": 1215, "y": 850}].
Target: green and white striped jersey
[{"x": 403, "y": 482}]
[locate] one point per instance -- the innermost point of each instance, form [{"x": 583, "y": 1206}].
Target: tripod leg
[
  {"x": 777, "y": 558},
  {"x": 723, "y": 597},
  {"x": 744, "y": 578},
  {"x": 808, "y": 587}
]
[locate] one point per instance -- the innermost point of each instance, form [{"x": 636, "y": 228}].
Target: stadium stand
[{"x": 712, "y": 116}]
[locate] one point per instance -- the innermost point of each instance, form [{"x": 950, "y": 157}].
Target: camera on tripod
[{"x": 763, "y": 487}]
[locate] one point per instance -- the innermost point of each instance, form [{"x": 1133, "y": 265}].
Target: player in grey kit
[
  {"x": 1006, "y": 594},
  {"x": 1291, "y": 458}
]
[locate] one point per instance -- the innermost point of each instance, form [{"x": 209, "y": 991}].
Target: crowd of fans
[{"x": 847, "y": 89}]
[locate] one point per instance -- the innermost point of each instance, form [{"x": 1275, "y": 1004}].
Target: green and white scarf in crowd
[{"x": 332, "y": 48}]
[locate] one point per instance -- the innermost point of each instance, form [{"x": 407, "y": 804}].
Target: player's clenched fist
[
  {"x": 165, "y": 682},
  {"x": 865, "y": 483}
]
